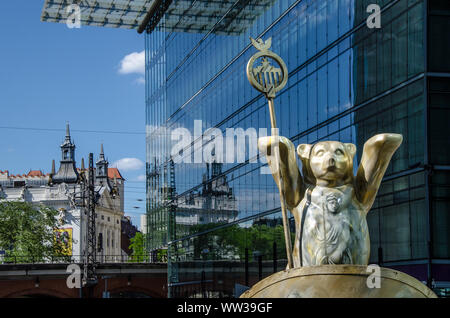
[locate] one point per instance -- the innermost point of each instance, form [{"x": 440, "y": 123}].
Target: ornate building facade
[
  {"x": 62, "y": 191},
  {"x": 214, "y": 203}
]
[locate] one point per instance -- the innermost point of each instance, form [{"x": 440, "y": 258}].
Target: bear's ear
[
  {"x": 304, "y": 150},
  {"x": 351, "y": 150}
]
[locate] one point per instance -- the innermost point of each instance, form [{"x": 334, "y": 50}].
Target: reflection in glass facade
[{"x": 220, "y": 222}]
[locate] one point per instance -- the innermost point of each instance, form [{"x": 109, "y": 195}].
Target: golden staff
[{"x": 269, "y": 80}]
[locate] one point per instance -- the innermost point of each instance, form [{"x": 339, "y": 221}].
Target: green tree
[
  {"x": 233, "y": 240},
  {"x": 138, "y": 247},
  {"x": 161, "y": 256},
  {"x": 27, "y": 231}
]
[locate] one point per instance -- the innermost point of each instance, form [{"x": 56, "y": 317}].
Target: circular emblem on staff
[{"x": 264, "y": 77}]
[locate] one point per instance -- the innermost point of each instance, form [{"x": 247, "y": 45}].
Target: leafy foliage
[
  {"x": 27, "y": 232},
  {"x": 138, "y": 247},
  {"x": 140, "y": 253},
  {"x": 231, "y": 241},
  {"x": 161, "y": 256}
]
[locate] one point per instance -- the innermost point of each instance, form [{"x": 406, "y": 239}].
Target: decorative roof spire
[
  {"x": 67, "y": 140},
  {"x": 52, "y": 173},
  {"x": 102, "y": 168},
  {"x": 101, "y": 159},
  {"x": 102, "y": 154},
  {"x": 67, "y": 130},
  {"x": 67, "y": 172}
]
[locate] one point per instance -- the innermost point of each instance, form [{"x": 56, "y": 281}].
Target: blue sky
[{"x": 50, "y": 75}]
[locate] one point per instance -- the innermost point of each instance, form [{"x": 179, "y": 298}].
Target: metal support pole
[
  {"x": 90, "y": 278},
  {"x": 246, "y": 267},
  {"x": 428, "y": 168},
  {"x": 274, "y": 257},
  {"x": 260, "y": 267},
  {"x": 380, "y": 256},
  {"x": 203, "y": 287}
]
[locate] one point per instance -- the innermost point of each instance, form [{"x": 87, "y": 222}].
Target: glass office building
[{"x": 219, "y": 221}]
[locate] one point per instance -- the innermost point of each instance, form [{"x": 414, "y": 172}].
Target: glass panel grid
[{"x": 127, "y": 14}]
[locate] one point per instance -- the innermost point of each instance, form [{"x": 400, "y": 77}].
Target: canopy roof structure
[
  {"x": 229, "y": 17},
  {"x": 128, "y": 14}
]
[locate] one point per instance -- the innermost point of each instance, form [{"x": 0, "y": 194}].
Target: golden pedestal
[{"x": 338, "y": 281}]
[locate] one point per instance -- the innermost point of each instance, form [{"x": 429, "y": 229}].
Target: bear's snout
[{"x": 332, "y": 162}]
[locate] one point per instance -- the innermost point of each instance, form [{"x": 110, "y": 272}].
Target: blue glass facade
[{"x": 220, "y": 222}]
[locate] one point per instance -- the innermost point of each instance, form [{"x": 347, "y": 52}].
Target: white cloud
[
  {"x": 140, "y": 80},
  {"x": 141, "y": 177},
  {"x": 133, "y": 63},
  {"x": 128, "y": 164}
]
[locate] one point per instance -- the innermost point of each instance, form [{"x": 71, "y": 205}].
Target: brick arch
[
  {"x": 37, "y": 291},
  {"x": 148, "y": 292},
  {"x": 153, "y": 287}
]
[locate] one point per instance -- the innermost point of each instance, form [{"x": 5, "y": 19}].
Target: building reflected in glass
[{"x": 220, "y": 222}]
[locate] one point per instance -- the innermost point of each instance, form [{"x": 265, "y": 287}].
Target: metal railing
[{"x": 66, "y": 259}]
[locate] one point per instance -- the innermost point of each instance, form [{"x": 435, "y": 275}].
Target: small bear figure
[{"x": 328, "y": 202}]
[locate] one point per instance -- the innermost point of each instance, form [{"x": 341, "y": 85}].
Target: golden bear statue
[{"x": 329, "y": 203}]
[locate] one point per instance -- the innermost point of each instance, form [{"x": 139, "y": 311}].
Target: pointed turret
[
  {"x": 67, "y": 172},
  {"x": 67, "y": 130},
  {"x": 52, "y": 173},
  {"x": 101, "y": 174},
  {"x": 67, "y": 141},
  {"x": 83, "y": 172}
]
